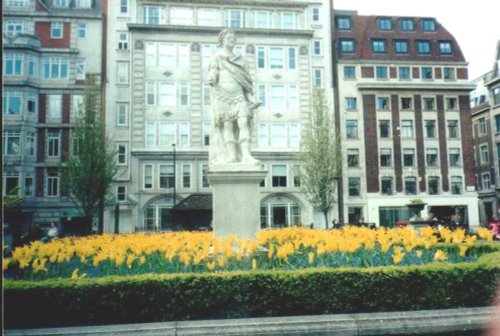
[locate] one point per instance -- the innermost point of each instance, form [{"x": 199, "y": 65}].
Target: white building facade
[{"x": 157, "y": 96}]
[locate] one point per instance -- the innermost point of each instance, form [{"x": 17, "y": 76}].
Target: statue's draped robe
[{"x": 227, "y": 106}]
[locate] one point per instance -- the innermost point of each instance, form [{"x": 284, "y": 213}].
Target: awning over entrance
[{"x": 193, "y": 213}]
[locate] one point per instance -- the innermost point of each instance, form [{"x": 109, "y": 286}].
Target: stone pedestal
[{"x": 236, "y": 198}]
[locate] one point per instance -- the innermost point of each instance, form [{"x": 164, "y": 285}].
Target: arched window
[
  {"x": 279, "y": 211},
  {"x": 157, "y": 215}
]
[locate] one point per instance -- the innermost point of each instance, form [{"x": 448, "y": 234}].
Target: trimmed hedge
[{"x": 150, "y": 298}]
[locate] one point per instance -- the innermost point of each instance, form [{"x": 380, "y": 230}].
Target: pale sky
[{"x": 474, "y": 24}]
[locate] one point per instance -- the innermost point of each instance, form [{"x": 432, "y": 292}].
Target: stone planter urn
[{"x": 415, "y": 208}]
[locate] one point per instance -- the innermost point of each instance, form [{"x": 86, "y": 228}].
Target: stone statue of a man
[{"x": 233, "y": 105}]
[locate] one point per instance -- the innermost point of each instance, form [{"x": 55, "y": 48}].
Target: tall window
[
  {"x": 151, "y": 15},
  {"x": 11, "y": 143},
  {"x": 53, "y": 143},
  {"x": 81, "y": 30},
  {"x": 456, "y": 185},
  {"x": 452, "y": 129},
  {"x": 33, "y": 66},
  {"x": 32, "y": 102},
  {"x": 29, "y": 145},
  {"x": 123, "y": 6},
  {"x": 54, "y": 107},
  {"x": 317, "y": 49},
  {"x": 122, "y": 72},
  {"x": 29, "y": 186},
  {"x": 318, "y": 77},
  {"x": 13, "y": 64},
  {"x": 204, "y": 179},
  {"x": 350, "y": 103},
  {"x": 454, "y": 155},
  {"x": 384, "y": 128},
  {"x": 52, "y": 183},
  {"x": 147, "y": 176},
  {"x": 385, "y": 157},
  {"x": 410, "y": 185},
  {"x": 354, "y": 185},
  {"x": 121, "y": 193},
  {"x": 448, "y": 73},
  {"x": 433, "y": 185},
  {"x": 430, "y": 129},
  {"x": 406, "y": 103},
  {"x": 381, "y": 72},
  {"x": 352, "y": 157},
  {"x": 186, "y": 176},
  {"x": 408, "y": 157},
  {"x": 351, "y": 129},
  {"x": 80, "y": 68},
  {"x": 121, "y": 153},
  {"x": 296, "y": 176},
  {"x": 431, "y": 157},
  {"x": 484, "y": 154},
  {"x": 279, "y": 176},
  {"x": 429, "y": 103},
  {"x": 122, "y": 114},
  {"x": 407, "y": 129},
  {"x": 382, "y": 103},
  {"x": 166, "y": 177},
  {"x": 481, "y": 126},
  {"x": 235, "y": 18},
  {"x": 451, "y": 104},
  {"x": 56, "y": 30},
  {"x": 387, "y": 185},
  {"x": 122, "y": 41},
  {"x": 11, "y": 104},
  {"x": 485, "y": 181}
]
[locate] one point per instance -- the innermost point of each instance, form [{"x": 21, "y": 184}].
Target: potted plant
[{"x": 416, "y": 205}]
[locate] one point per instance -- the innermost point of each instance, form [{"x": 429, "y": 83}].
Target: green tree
[
  {"x": 11, "y": 198},
  {"x": 320, "y": 157},
  {"x": 91, "y": 163}
]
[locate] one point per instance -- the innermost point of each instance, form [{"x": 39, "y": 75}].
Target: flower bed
[{"x": 286, "y": 249}]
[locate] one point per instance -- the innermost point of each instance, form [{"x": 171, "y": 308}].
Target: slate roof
[{"x": 364, "y": 29}]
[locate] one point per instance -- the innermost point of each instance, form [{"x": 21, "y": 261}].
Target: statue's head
[{"x": 223, "y": 34}]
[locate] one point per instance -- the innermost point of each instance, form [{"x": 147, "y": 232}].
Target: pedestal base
[{"x": 236, "y": 199}]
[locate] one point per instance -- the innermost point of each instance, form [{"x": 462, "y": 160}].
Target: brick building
[
  {"x": 48, "y": 49},
  {"x": 402, "y": 108}
]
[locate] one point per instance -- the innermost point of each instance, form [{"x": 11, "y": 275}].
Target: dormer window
[
  {"x": 428, "y": 25},
  {"x": 423, "y": 47},
  {"x": 384, "y": 24},
  {"x": 378, "y": 46},
  {"x": 343, "y": 22},
  {"x": 406, "y": 24},
  {"x": 347, "y": 46},
  {"x": 445, "y": 48}
]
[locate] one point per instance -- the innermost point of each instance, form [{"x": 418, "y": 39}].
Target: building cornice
[
  {"x": 215, "y": 30},
  {"x": 417, "y": 86},
  {"x": 66, "y": 16},
  {"x": 233, "y": 3}
]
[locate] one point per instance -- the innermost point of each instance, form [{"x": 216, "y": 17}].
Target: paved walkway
[{"x": 393, "y": 323}]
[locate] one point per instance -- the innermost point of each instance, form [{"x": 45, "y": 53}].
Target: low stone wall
[{"x": 393, "y": 323}]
